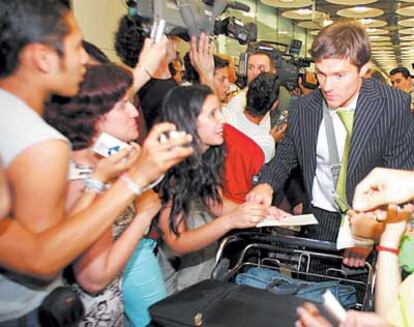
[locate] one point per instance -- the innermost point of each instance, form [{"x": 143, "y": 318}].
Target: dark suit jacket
[{"x": 383, "y": 136}]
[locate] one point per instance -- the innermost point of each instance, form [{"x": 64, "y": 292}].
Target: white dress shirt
[
  {"x": 323, "y": 189},
  {"x": 258, "y": 133}
]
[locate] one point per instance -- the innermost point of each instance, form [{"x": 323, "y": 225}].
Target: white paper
[
  {"x": 334, "y": 308},
  {"x": 347, "y": 240},
  {"x": 299, "y": 220}
]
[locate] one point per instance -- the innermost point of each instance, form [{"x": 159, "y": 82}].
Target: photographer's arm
[
  {"x": 149, "y": 61},
  {"x": 201, "y": 55}
]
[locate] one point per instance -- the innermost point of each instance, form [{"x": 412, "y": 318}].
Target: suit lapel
[
  {"x": 311, "y": 118},
  {"x": 367, "y": 112}
]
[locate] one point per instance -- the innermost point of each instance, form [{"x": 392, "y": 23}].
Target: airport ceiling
[{"x": 390, "y": 23}]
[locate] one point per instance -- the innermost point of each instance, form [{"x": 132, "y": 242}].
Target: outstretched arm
[
  {"x": 245, "y": 216},
  {"x": 55, "y": 246}
]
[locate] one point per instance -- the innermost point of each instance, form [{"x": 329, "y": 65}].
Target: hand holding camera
[
  {"x": 114, "y": 165},
  {"x": 159, "y": 153}
]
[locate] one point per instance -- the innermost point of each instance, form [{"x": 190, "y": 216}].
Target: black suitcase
[{"x": 220, "y": 303}]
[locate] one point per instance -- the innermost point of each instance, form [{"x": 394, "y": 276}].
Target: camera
[
  {"x": 164, "y": 137},
  {"x": 284, "y": 56},
  {"x": 107, "y": 145},
  {"x": 187, "y": 18}
]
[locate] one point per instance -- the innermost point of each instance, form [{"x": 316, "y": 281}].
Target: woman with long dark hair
[{"x": 190, "y": 190}]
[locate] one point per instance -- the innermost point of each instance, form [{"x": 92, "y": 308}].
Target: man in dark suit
[{"x": 382, "y": 131}]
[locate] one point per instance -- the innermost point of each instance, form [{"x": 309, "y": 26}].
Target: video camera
[
  {"x": 284, "y": 56},
  {"x": 187, "y": 18}
]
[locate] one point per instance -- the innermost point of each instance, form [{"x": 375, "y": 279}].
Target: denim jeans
[
  {"x": 28, "y": 320},
  {"x": 276, "y": 282}
]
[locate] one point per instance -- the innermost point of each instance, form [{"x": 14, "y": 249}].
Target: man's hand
[
  {"x": 157, "y": 157},
  {"x": 262, "y": 194},
  {"x": 278, "y": 132},
  {"x": 383, "y": 186},
  {"x": 201, "y": 56},
  {"x": 309, "y": 316},
  {"x": 365, "y": 225},
  {"x": 355, "y": 257},
  {"x": 152, "y": 54},
  {"x": 114, "y": 165}
]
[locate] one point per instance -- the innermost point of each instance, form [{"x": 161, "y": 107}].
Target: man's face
[
  {"x": 221, "y": 82},
  {"x": 339, "y": 81},
  {"x": 71, "y": 68},
  {"x": 256, "y": 64},
  {"x": 173, "y": 43},
  {"x": 400, "y": 82}
]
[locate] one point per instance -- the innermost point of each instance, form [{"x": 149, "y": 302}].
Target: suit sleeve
[
  {"x": 276, "y": 171},
  {"x": 399, "y": 152}
]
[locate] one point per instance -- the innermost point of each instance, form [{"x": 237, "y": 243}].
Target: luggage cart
[{"x": 293, "y": 256}]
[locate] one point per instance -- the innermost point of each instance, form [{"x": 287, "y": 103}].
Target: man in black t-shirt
[{"x": 129, "y": 41}]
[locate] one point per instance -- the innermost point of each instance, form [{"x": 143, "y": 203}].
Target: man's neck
[
  {"x": 254, "y": 119},
  {"x": 32, "y": 93},
  {"x": 163, "y": 71}
]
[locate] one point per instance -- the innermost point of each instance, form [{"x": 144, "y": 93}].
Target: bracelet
[
  {"x": 93, "y": 185},
  {"x": 134, "y": 187},
  {"x": 387, "y": 249},
  {"x": 145, "y": 69}
]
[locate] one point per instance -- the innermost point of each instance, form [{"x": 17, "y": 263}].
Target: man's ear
[
  {"x": 363, "y": 70},
  {"x": 43, "y": 57},
  {"x": 274, "y": 106}
]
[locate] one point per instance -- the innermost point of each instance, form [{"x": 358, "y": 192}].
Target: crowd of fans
[{"x": 200, "y": 161}]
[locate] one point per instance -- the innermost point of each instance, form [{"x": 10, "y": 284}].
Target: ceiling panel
[{"x": 395, "y": 23}]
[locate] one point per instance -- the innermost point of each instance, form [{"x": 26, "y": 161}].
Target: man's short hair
[
  {"x": 403, "y": 70},
  {"x": 129, "y": 39},
  {"x": 220, "y": 62},
  {"x": 23, "y": 22},
  {"x": 344, "y": 39},
  {"x": 262, "y": 93}
]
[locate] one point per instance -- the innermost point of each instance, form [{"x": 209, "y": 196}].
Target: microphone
[{"x": 238, "y": 6}]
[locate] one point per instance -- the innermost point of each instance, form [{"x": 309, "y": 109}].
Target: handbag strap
[
  {"x": 282, "y": 287},
  {"x": 334, "y": 163}
]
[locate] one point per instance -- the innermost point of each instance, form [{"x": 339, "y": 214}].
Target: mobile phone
[
  {"x": 157, "y": 30},
  {"x": 283, "y": 118},
  {"x": 107, "y": 145}
]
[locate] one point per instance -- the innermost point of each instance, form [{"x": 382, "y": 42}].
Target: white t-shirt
[
  {"x": 21, "y": 128},
  {"x": 258, "y": 133}
]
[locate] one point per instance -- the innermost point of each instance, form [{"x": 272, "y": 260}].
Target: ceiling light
[
  {"x": 360, "y": 9},
  {"x": 366, "y": 21},
  {"x": 327, "y": 22},
  {"x": 304, "y": 11}
]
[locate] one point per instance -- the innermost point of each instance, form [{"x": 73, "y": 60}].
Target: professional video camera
[
  {"x": 186, "y": 18},
  {"x": 284, "y": 56}
]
